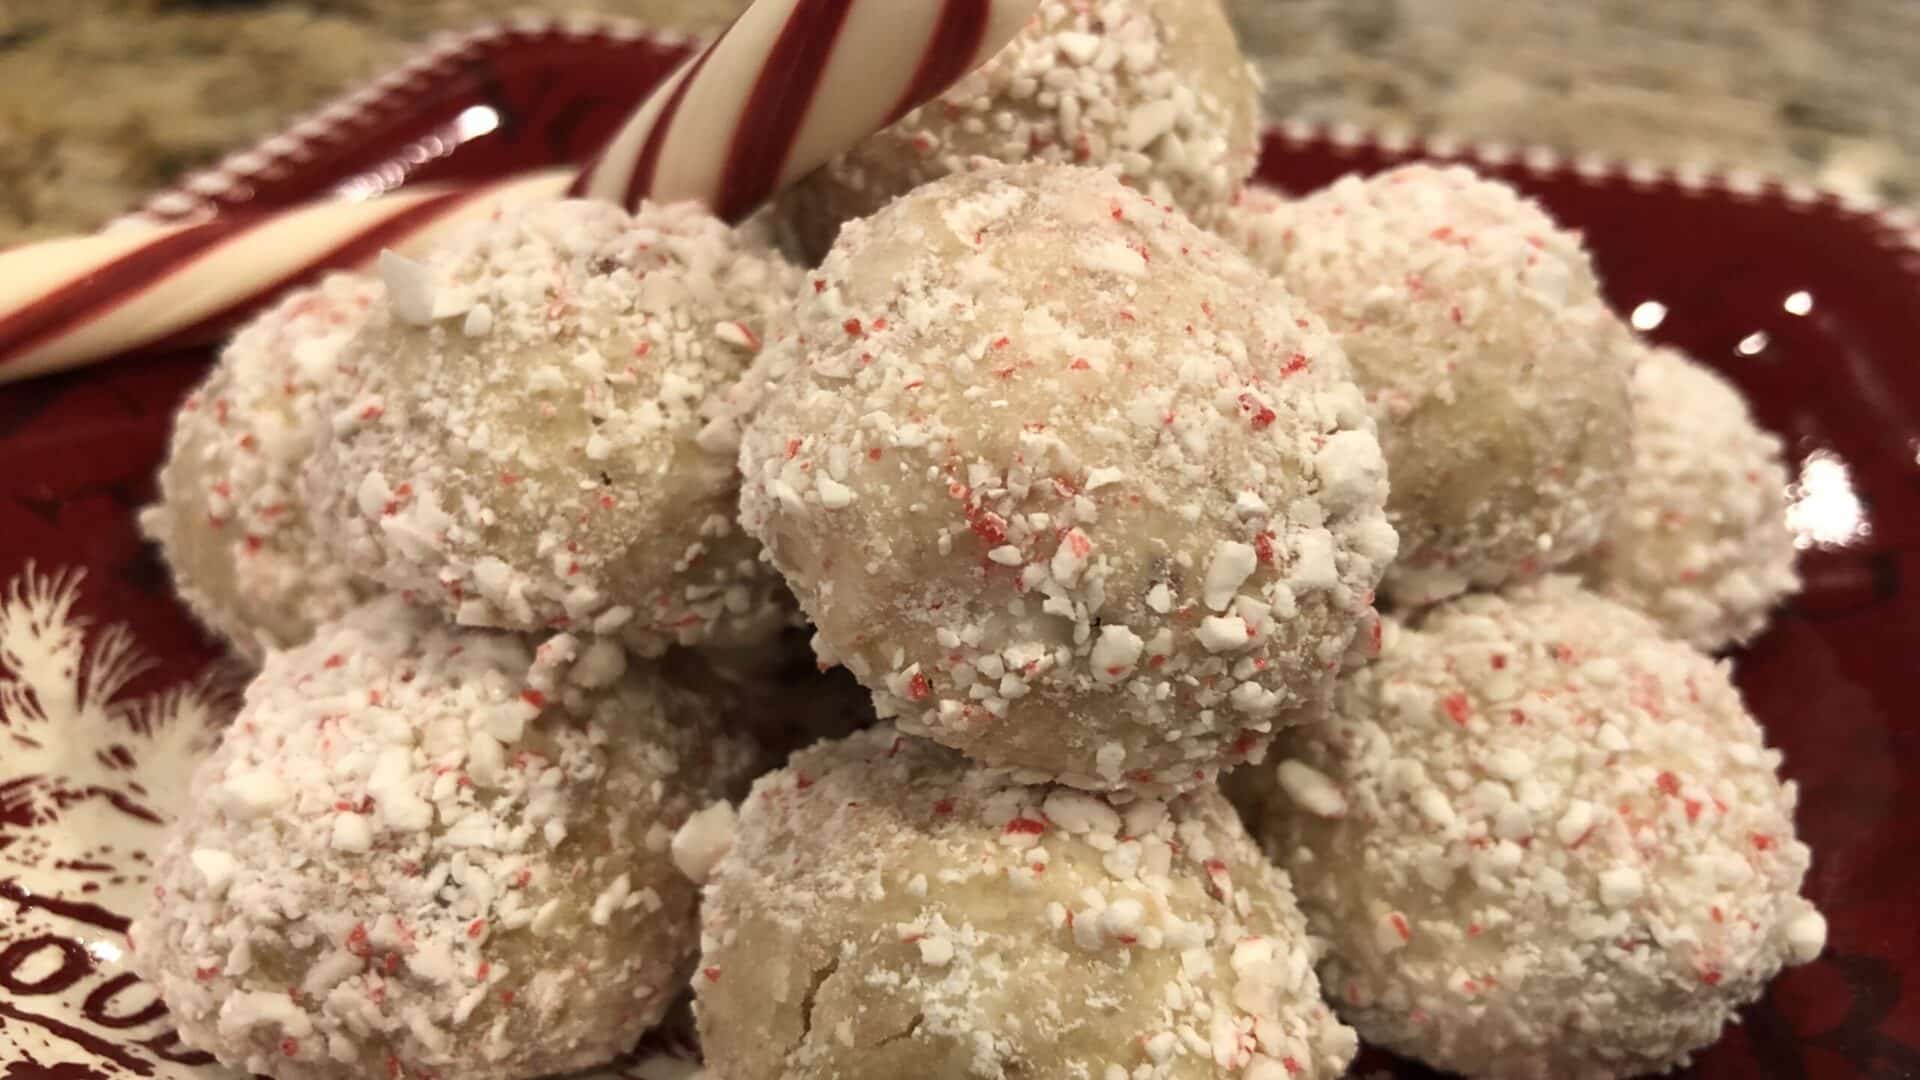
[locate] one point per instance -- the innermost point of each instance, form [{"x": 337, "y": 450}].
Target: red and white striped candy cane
[
  {"x": 788, "y": 86},
  {"x": 64, "y": 303}
]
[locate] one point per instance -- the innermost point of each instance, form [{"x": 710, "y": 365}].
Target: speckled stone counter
[{"x": 102, "y": 100}]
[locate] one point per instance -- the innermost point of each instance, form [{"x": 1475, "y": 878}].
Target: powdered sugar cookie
[
  {"x": 1498, "y": 376},
  {"x": 431, "y": 852},
  {"x": 1156, "y": 91},
  {"x": 231, "y": 521},
  {"x": 1259, "y": 223},
  {"x": 881, "y": 909},
  {"x": 534, "y": 443},
  {"x": 1543, "y": 839},
  {"x": 1070, "y": 484},
  {"x": 1701, "y": 543}
]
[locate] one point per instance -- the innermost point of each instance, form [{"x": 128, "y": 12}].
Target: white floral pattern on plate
[{"x": 89, "y": 774}]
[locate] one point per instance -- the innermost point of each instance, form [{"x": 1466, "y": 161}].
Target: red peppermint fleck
[
  {"x": 990, "y": 527},
  {"x": 1263, "y": 548},
  {"x": 1457, "y": 707},
  {"x": 943, "y": 807},
  {"x": 1499, "y": 662},
  {"x": 1295, "y": 364},
  {"x": 1693, "y": 809},
  {"x": 712, "y": 974},
  {"x": 801, "y": 781},
  {"x": 793, "y": 448},
  {"x": 1261, "y": 416},
  {"x": 1026, "y": 826},
  {"x": 853, "y": 328},
  {"x": 819, "y": 286},
  {"x": 371, "y": 413},
  {"x": 1668, "y": 783},
  {"x": 476, "y": 928},
  {"x": 918, "y": 688},
  {"x": 289, "y": 1046},
  {"x": 1710, "y": 977},
  {"x": 357, "y": 941},
  {"x": 1400, "y": 927},
  {"x": 1762, "y": 842},
  {"x": 206, "y": 973},
  {"x": 506, "y": 997}
]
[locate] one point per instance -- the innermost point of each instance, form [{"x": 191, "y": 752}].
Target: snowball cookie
[
  {"x": 1544, "y": 840},
  {"x": 1067, "y": 482},
  {"x": 534, "y": 443},
  {"x": 1155, "y": 91},
  {"x": 231, "y": 522},
  {"x": 1701, "y": 543},
  {"x": 885, "y": 910},
  {"x": 428, "y": 852},
  {"x": 1498, "y": 375},
  {"x": 1259, "y": 223}
]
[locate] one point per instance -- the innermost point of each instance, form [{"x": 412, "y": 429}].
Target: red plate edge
[{"x": 1722, "y": 251}]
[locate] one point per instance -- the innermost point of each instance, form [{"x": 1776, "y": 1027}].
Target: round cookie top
[
  {"x": 1701, "y": 543},
  {"x": 1155, "y": 91},
  {"x": 932, "y": 918},
  {"x": 1067, "y": 481},
  {"x": 231, "y": 520},
  {"x": 537, "y": 441},
  {"x": 1497, "y": 373},
  {"x": 1543, "y": 839},
  {"x": 436, "y": 852}
]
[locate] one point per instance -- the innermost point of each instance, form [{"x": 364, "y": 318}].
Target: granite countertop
[{"x": 104, "y": 100}]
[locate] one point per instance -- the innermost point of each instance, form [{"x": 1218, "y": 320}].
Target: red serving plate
[{"x": 1812, "y": 306}]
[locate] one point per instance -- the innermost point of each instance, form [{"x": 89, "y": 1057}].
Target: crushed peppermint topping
[
  {"x": 429, "y": 852},
  {"x": 1584, "y": 867},
  {"x": 1156, "y": 92},
  {"x": 1497, "y": 373},
  {"x": 232, "y": 521},
  {"x": 1701, "y": 543},
  {"x": 1167, "y": 550},
  {"x": 565, "y": 460},
  {"x": 902, "y": 908}
]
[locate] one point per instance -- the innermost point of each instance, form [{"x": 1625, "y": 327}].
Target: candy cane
[
  {"x": 66, "y": 302},
  {"x": 791, "y": 84}
]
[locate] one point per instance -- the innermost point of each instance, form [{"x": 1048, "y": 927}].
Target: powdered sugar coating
[
  {"x": 1260, "y": 223},
  {"x": 231, "y": 521},
  {"x": 885, "y": 910},
  {"x": 424, "y": 852},
  {"x": 535, "y": 442},
  {"x": 1701, "y": 543},
  {"x": 1068, "y": 483},
  {"x": 1156, "y": 91},
  {"x": 1497, "y": 373},
  {"x": 1544, "y": 839}
]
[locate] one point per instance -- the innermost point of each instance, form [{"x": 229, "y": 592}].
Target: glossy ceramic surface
[{"x": 108, "y": 692}]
